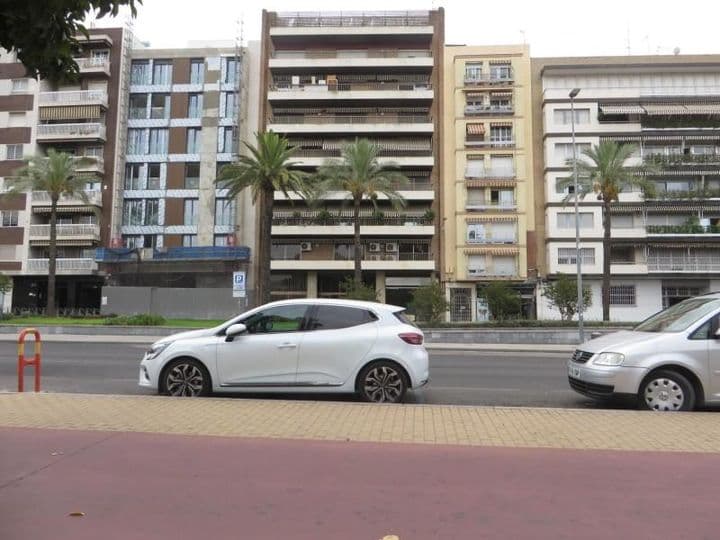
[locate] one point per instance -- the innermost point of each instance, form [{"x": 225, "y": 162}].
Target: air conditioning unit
[
  {"x": 374, "y": 247},
  {"x": 476, "y": 271},
  {"x": 391, "y": 246},
  {"x": 295, "y": 80},
  {"x": 306, "y": 246}
]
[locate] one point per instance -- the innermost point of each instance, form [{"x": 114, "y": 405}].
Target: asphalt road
[{"x": 459, "y": 378}]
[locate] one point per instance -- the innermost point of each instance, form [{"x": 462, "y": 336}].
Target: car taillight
[{"x": 412, "y": 338}]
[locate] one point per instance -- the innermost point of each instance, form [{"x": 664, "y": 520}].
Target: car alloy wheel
[
  {"x": 383, "y": 384},
  {"x": 668, "y": 391},
  {"x": 185, "y": 379}
]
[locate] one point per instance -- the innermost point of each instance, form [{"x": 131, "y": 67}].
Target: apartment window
[
  {"x": 224, "y": 212},
  {"x": 566, "y": 220},
  {"x": 138, "y": 105},
  {"x": 195, "y": 106},
  {"x": 565, "y": 150},
  {"x": 231, "y": 69},
  {"x": 622, "y": 255},
  {"x": 8, "y": 253},
  {"x": 133, "y": 176},
  {"x": 190, "y": 214},
  {"x": 473, "y": 71},
  {"x": 153, "y": 180},
  {"x": 475, "y": 167},
  {"x": 193, "y": 141},
  {"x": 622, "y": 295},
  {"x": 476, "y": 265},
  {"x": 569, "y": 256},
  {"x": 19, "y": 85},
  {"x": 140, "y": 72},
  {"x": 504, "y": 265},
  {"x": 160, "y": 106},
  {"x": 16, "y": 119},
  {"x": 14, "y": 151},
  {"x": 162, "y": 72},
  {"x": 94, "y": 151},
  {"x": 229, "y": 104},
  {"x": 137, "y": 141},
  {"x": 192, "y": 175},
  {"x": 133, "y": 212},
  {"x": 502, "y": 166},
  {"x": 87, "y": 220},
  {"x": 564, "y": 116},
  {"x": 221, "y": 240},
  {"x": 197, "y": 71},
  {"x": 501, "y": 71},
  {"x": 158, "y": 141},
  {"x": 476, "y": 197},
  {"x": 500, "y": 133},
  {"x": 476, "y": 233},
  {"x": 504, "y": 232},
  {"x": 133, "y": 241},
  {"x": 152, "y": 212},
  {"x": 623, "y": 221},
  {"x": 226, "y": 140},
  {"x": 10, "y": 218},
  {"x": 502, "y": 197},
  {"x": 189, "y": 240}
]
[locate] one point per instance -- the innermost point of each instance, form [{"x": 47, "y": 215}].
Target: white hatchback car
[{"x": 308, "y": 345}]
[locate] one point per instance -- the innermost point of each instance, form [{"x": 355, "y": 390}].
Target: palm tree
[
  {"x": 361, "y": 175},
  {"x": 265, "y": 170},
  {"x": 603, "y": 170},
  {"x": 57, "y": 175}
]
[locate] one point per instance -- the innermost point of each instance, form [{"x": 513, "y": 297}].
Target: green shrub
[
  {"x": 360, "y": 291},
  {"x": 429, "y": 303},
  {"x": 140, "y": 319},
  {"x": 503, "y": 301}
]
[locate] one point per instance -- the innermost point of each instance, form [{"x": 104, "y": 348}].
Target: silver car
[{"x": 670, "y": 362}]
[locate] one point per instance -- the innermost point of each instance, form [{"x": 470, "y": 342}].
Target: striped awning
[
  {"x": 661, "y": 109},
  {"x": 78, "y": 112},
  {"x": 490, "y": 182},
  {"x": 501, "y": 94},
  {"x": 492, "y": 250},
  {"x": 679, "y": 208},
  {"x": 61, "y": 209},
  {"x": 475, "y": 95},
  {"x": 500, "y": 62},
  {"x": 79, "y": 243},
  {"x": 621, "y": 109},
  {"x": 475, "y": 129},
  {"x": 703, "y": 108},
  {"x": 485, "y": 219},
  {"x": 501, "y": 124}
]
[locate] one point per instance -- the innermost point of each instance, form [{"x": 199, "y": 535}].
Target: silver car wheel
[
  {"x": 184, "y": 380},
  {"x": 383, "y": 384},
  {"x": 664, "y": 394}
]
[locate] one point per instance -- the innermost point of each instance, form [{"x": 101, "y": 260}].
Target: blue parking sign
[{"x": 239, "y": 284}]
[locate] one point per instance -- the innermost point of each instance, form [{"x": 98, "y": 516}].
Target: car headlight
[
  {"x": 156, "y": 349},
  {"x": 609, "y": 359}
]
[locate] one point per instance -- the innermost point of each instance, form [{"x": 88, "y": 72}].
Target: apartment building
[
  {"x": 665, "y": 248},
  {"x": 330, "y": 78},
  {"x": 488, "y": 222},
  {"x": 81, "y": 118}
]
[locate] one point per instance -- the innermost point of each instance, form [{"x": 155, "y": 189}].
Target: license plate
[{"x": 574, "y": 372}]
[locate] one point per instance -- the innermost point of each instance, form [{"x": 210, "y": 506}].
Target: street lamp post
[{"x": 578, "y": 253}]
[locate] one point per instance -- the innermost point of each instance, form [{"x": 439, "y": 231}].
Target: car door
[
  {"x": 267, "y": 354},
  {"x": 713, "y": 376},
  {"x": 337, "y": 340}
]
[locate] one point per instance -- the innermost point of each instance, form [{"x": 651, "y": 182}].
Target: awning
[
  {"x": 621, "y": 109},
  {"x": 492, "y": 250},
  {"x": 485, "y": 219},
  {"x": 621, "y": 138},
  {"x": 62, "y": 209},
  {"x": 500, "y": 62},
  {"x": 501, "y": 124},
  {"x": 703, "y": 108},
  {"x": 78, "y": 243},
  {"x": 661, "y": 109},
  {"x": 78, "y": 112},
  {"x": 490, "y": 182},
  {"x": 475, "y": 95},
  {"x": 501, "y": 94},
  {"x": 475, "y": 129}
]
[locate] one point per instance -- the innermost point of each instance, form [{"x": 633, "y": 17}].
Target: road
[{"x": 459, "y": 378}]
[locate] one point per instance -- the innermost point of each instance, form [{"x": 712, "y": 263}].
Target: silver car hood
[{"x": 621, "y": 341}]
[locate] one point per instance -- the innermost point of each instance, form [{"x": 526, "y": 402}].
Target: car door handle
[{"x": 287, "y": 346}]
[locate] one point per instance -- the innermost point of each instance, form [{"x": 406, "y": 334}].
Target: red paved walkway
[{"x": 141, "y": 486}]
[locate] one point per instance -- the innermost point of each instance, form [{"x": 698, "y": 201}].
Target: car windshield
[{"x": 680, "y": 316}]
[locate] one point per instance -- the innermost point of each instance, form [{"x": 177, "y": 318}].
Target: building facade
[
  {"x": 488, "y": 222},
  {"x": 665, "y": 247},
  {"x": 328, "y": 79}
]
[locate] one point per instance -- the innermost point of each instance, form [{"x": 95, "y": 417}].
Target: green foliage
[
  {"x": 503, "y": 301},
  {"x": 429, "y": 303},
  {"x": 140, "y": 319},
  {"x": 323, "y": 217},
  {"x": 5, "y": 284},
  {"x": 429, "y": 215},
  {"x": 357, "y": 291},
  {"x": 45, "y": 33},
  {"x": 562, "y": 294},
  {"x": 378, "y": 217}
]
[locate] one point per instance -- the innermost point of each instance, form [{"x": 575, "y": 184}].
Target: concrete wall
[{"x": 198, "y": 303}]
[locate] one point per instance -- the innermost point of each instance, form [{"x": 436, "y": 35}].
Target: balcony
[
  {"x": 332, "y": 58},
  {"x": 498, "y": 110},
  {"x": 89, "y": 164},
  {"x": 70, "y": 132},
  {"x": 353, "y": 90},
  {"x": 73, "y": 98},
  {"x": 66, "y": 232},
  {"x": 493, "y": 79},
  {"x": 682, "y": 230},
  {"x": 489, "y": 272},
  {"x": 489, "y": 143},
  {"x": 487, "y": 174},
  {"x": 63, "y": 266},
  {"x": 42, "y": 198},
  {"x": 305, "y": 19},
  {"x": 198, "y": 253},
  {"x": 391, "y": 123},
  {"x": 496, "y": 206},
  {"x": 93, "y": 65},
  {"x": 323, "y": 222},
  {"x": 683, "y": 264}
]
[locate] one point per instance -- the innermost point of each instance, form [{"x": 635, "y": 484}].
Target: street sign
[{"x": 239, "y": 284}]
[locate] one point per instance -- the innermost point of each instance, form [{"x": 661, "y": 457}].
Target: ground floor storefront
[
  {"x": 467, "y": 303},
  {"x": 75, "y": 295}
]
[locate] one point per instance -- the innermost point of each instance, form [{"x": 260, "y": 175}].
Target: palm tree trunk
[
  {"x": 357, "y": 248},
  {"x": 265, "y": 246},
  {"x": 52, "y": 256},
  {"x": 606, "y": 261}
]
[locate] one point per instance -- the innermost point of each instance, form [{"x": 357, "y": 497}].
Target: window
[
  {"x": 7, "y": 253},
  {"x": 158, "y": 141},
  {"x": 504, "y": 265},
  {"x": 705, "y": 331},
  {"x": 160, "y": 106},
  {"x": 133, "y": 212},
  {"x": 194, "y": 105},
  {"x": 231, "y": 70},
  {"x": 153, "y": 180},
  {"x": 566, "y": 220},
  {"x": 86, "y": 220},
  {"x": 190, "y": 215},
  {"x": 193, "y": 141},
  {"x": 133, "y": 177},
  {"x": 476, "y": 233},
  {"x": 10, "y": 218},
  {"x": 501, "y": 71},
  {"x": 152, "y": 211},
  {"x": 132, "y": 241},
  {"x": 276, "y": 319},
  {"x": 192, "y": 175},
  {"x": 229, "y": 104},
  {"x": 569, "y": 256},
  {"x": 224, "y": 212},
  {"x": 502, "y": 166},
  {"x": 197, "y": 71},
  {"x": 14, "y": 151},
  {"x": 140, "y": 72},
  {"x": 473, "y": 71},
  {"x": 220, "y": 240},
  {"x": 503, "y": 232},
  {"x": 501, "y": 133},
  {"x": 137, "y": 141},
  {"x": 476, "y": 265},
  {"x": 475, "y": 167},
  {"x": 19, "y": 85},
  {"x": 138, "y": 105},
  {"x": 564, "y": 116},
  {"x": 345, "y": 252},
  {"x": 622, "y": 295},
  {"x": 162, "y": 72},
  {"x": 565, "y": 150},
  {"x": 226, "y": 140},
  {"x": 623, "y": 221},
  {"x": 16, "y": 119},
  {"x": 286, "y": 252},
  {"x": 99, "y": 56},
  {"x": 622, "y": 255},
  {"x": 335, "y": 317},
  {"x": 94, "y": 151}
]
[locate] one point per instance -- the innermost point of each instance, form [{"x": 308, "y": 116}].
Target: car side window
[
  {"x": 276, "y": 319},
  {"x": 328, "y": 317},
  {"x": 705, "y": 331}
]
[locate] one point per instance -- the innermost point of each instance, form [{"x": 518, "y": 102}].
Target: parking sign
[{"x": 239, "y": 284}]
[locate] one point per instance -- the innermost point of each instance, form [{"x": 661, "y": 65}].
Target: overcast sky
[{"x": 551, "y": 27}]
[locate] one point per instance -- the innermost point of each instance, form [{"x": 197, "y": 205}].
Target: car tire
[
  {"x": 185, "y": 377},
  {"x": 382, "y": 382},
  {"x": 666, "y": 390}
]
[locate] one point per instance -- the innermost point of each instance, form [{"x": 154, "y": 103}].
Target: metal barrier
[{"x": 22, "y": 362}]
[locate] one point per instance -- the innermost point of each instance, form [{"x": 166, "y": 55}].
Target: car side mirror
[
  {"x": 717, "y": 334},
  {"x": 234, "y": 330}
]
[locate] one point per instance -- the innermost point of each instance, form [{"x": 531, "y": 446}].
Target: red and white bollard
[{"x": 23, "y": 362}]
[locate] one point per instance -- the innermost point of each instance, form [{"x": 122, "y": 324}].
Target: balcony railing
[
  {"x": 491, "y": 272},
  {"x": 348, "y": 255},
  {"x": 89, "y": 164},
  {"x": 64, "y": 266},
  {"x": 683, "y": 229},
  {"x": 198, "y": 253},
  {"x": 351, "y": 119},
  {"x": 354, "y": 86},
  {"x": 73, "y": 97},
  {"x": 42, "y": 198},
  {"x": 662, "y": 263},
  {"x": 72, "y": 231},
  {"x": 490, "y": 143},
  {"x": 63, "y": 131},
  {"x": 383, "y": 152},
  {"x": 488, "y": 109},
  {"x": 351, "y": 19},
  {"x": 93, "y": 64},
  {"x": 326, "y": 218},
  {"x": 359, "y": 53},
  {"x": 682, "y": 159},
  {"x": 491, "y": 205},
  {"x": 485, "y": 78},
  {"x": 683, "y": 195},
  {"x": 504, "y": 174},
  {"x": 493, "y": 240}
]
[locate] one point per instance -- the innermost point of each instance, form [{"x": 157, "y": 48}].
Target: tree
[
  {"x": 429, "y": 303},
  {"x": 603, "y": 170},
  {"x": 45, "y": 33},
  {"x": 353, "y": 291},
  {"x": 361, "y": 175},
  {"x": 503, "y": 301},
  {"x": 562, "y": 294},
  {"x": 265, "y": 170},
  {"x": 57, "y": 175}
]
